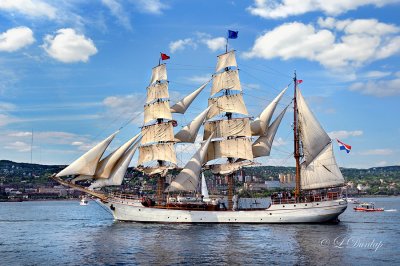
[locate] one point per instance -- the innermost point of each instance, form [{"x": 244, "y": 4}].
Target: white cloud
[
  {"x": 215, "y": 44},
  {"x": 118, "y": 11},
  {"x": 274, "y": 9},
  {"x": 121, "y": 107},
  {"x": 20, "y": 134},
  {"x": 379, "y": 88},
  {"x": 15, "y": 39},
  {"x": 343, "y": 134},
  {"x": 377, "y": 152},
  {"x": 150, "y": 6},
  {"x": 31, "y": 8},
  {"x": 200, "y": 79},
  {"x": 376, "y": 74},
  {"x": 68, "y": 46},
  {"x": 182, "y": 44},
  {"x": 18, "y": 146},
  {"x": 361, "y": 41},
  {"x": 6, "y": 106}
]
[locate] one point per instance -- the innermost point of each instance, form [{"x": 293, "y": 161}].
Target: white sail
[
  {"x": 118, "y": 173},
  {"x": 227, "y": 103},
  {"x": 159, "y": 109},
  {"x": 234, "y": 148},
  {"x": 158, "y": 132},
  {"x": 158, "y": 73},
  {"x": 323, "y": 172},
  {"x": 189, "y": 132},
  {"x": 313, "y": 137},
  {"x": 157, "y": 91},
  {"x": 155, "y": 152},
  {"x": 228, "y": 168},
  {"x": 87, "y": 163},
  {"x": 107, "y": 164},
  {"x": 262, "y": 146},
  {"x": 204, "y": 189},
  {"x": 226, "y": 80},
  {"x": 226, "y": 60},
  {"x": 183, "y": 105},
  {"x": 226, "y": 128},
  {"x": 261, "y": 123},
  {"x": 188, "y": 178}
]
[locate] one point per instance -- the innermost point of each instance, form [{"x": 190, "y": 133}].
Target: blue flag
[{"x": 232, "y": 34}]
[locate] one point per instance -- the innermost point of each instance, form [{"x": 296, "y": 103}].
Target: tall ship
[{"x": 231, "y": 140}]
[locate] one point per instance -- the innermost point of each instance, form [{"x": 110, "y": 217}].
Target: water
[{"x": 65, "y": 233}]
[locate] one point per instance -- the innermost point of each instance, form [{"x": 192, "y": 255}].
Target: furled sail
[
  {"x": 227, "y": 80},
  {"x": 87, "y": 163},
  {"x": 228, "y": 168},
  {"x": 226, "y": 128},
  {"x": 313, "y": 136},
  {"x": 107, "y": 164},
  {"x": 262, "y": 146},
  {"x": 156, "y": 152},
  {"x": 158, "y": 73},
  {"x": 118, "y": 172},
  {"x": 158, "y": 109},
  {"x": 189, "y": 132},
  {"x": 157, "y": 91},
  {"x": 183, "y": 105},
  {"x": 158, "y": 132},
  {"x": 230, "y": 148},
  {"x": 188, "y": 178},
  {"x": 227, "y": 103},
  {"x": 322, "y": 172},
  {"x": 261, "y": 123},
  {"x": 226, "y": 60}
]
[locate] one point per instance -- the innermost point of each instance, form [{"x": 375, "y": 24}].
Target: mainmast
[{"x": 296, "y": 139}]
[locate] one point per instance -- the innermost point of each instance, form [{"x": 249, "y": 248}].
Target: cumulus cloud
[
  {"x": 275, "y": 9},
  {"x": 353, "y": 44},
  {"x": 18, "y": 146},
  {"x": 118, "y": 11},
  {"x": 215, "y": 44},
  {"x": 343, "y": 134},
  {"x": 68, "y": 46},
  {"x": 182, "y": 44},
  {"x": 31, "y": 8},
  {"x": 15, "y": 39},
  {"x": 378, "y": 88}
]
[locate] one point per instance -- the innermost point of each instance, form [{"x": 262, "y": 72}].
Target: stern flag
[
  {"x": 232, "y": 34},
  {"x": 164, "y": 56},
  {"x": 344, "y": 146}
]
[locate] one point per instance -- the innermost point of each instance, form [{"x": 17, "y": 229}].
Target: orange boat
[{"x": 367, "y": 207}]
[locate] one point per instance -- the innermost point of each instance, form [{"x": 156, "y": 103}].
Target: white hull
[{"x": 311, "y": 212}]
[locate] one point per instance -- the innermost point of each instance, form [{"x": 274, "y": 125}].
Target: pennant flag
[
  {"x": 164, "y": 56},
  {"x": 344, "y": 146},
  {"x": 299, "y": 81},
  {"x": 232, "y": 34}
]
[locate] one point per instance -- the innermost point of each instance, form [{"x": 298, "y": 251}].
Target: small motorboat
[
  {"x": 367, "y": 207},
  {"x": 353, "y": 200},
  {"x": 84, "y": 201}
]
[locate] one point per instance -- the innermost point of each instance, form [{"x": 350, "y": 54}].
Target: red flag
[
  {"x": 299, "y": 81},
  {"x": 164, "y": 56}
]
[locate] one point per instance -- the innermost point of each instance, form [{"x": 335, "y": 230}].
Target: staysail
[
  {"x": 87, "y": 163},
  {"x": 188, "y": 178},
  {"x": 118, "y": 172},
  {"x": 189, "y": 133},
  {"x": 184, "y": 103}
]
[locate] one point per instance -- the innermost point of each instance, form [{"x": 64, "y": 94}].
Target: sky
[{"x": 75, "y": 71}]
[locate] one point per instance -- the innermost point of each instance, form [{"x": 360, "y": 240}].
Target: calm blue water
[{"x": 65, "y": 233}]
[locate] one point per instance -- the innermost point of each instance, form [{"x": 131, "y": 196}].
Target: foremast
[{"x": 157, "y": 152}]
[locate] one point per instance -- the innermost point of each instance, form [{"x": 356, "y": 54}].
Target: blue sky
[{"x": 76, "y": 71}]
